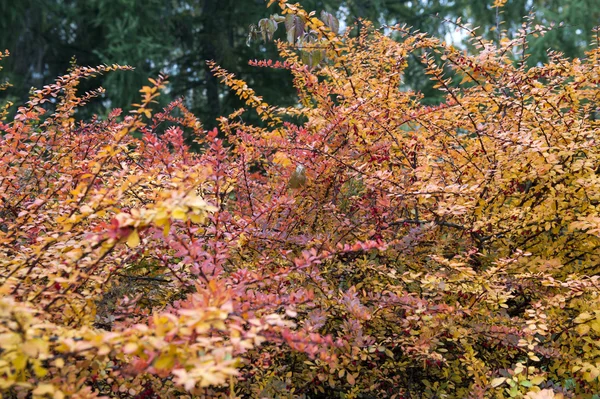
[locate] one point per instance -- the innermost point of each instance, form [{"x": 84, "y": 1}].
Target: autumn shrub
[{"x": 358, "y": 245}]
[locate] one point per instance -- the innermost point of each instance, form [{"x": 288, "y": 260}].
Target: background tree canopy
[{"x": 177, "y": 36}]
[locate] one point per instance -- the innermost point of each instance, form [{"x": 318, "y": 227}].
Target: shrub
[{"x": 359, "y": 245}]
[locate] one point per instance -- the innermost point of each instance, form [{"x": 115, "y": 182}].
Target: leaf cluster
[{"x": 360, "y": 244}]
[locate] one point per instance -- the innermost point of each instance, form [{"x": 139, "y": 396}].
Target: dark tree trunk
[{"x": 211, "y": 32}]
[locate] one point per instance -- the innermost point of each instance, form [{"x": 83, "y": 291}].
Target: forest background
[{"x": 176, "y": 37}]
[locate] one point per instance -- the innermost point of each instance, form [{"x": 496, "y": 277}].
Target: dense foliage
[{"x": 358, "y": 245}]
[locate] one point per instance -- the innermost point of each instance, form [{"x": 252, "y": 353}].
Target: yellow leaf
[
  {"x": 130, "y": 348},
  {"x": 19, "y": 362},
  {"x": 497, "y": 381},
  {"x": 164, "y": 362},
  {"x": 282, "y": 159},
  {"x": 43, "y": 389},
  {"x": 121, "y": 134},
  {"x": 39, "y": 370},
  {"x": 534, "y": 357},
  {"x": 582, "y": 329},
  {"x": 583, "y": 317},
  {"x": 242, "y": 240},
  {"x": 179, "y": 213},
  {"x": 103, "y": 350},
  {"x": 195, "y": 202},
  {"x": 9, "y": 339},
  {"x": 166, "y": 229},
  {"x": 133, "y": 240},
  {"x": 537, "y": 380},
  {"x": 595, "y": 325},
  {"x": 199, "y": 203},
  {"x": 161, "y": 218},
  {"x": 197, "y": 218}
]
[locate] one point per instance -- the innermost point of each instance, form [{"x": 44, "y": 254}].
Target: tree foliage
[
  {"x": 361, "y": 244},
  {"x": 177, "y": 36}
]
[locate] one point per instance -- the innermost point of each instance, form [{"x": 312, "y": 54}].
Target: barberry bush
[{"x": 358, "y": 245}]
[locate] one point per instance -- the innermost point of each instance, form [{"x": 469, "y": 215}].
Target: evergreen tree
[{"x": 178, "y": 36}]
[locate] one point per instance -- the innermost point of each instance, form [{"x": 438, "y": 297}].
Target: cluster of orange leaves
[{"x": 360, "y": 244}]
